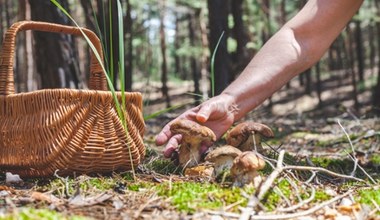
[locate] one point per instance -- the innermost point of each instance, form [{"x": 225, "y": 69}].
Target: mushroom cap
[
  {"x": 190, "y": 128},
  {"x": 226, "y": 150},
  {"x": 247, "y": 161},
  {"x": 240, "y": 133}
]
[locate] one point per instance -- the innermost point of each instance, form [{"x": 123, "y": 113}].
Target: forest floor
[{"x": 332, "y": 152}]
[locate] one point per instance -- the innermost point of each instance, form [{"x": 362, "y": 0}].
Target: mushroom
[
  {"x": 247, "y": 136},
  {"x": 245, "y": 167},
  {"x": 222, "y": 158},
  {"x": 193, "y": 134}
]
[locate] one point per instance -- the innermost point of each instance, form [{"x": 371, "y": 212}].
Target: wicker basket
[{"x": 69, "y": 130}]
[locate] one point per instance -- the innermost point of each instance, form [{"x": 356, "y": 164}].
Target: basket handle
[{"x": 97, "y": 78}]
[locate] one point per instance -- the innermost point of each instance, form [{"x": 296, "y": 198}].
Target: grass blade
[
  {"x": 93, "y": 49},
  {"x": 213, "y": 66}
]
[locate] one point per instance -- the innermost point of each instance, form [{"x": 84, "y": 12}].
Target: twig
[
  {"x": 138, "y": 212},
  {"x": 377, "y": 208},
  {"x": 254, "y": 200},
  {"x": 352, "y": 149},
  {"x": 284, "y": 216},
  {"x": 321, "y": 169},
  {"x": 300, "y": 214},
  {"x": 65, "y": 183},
  {"x": 300, "y": 204},
  {"x": 362, "y": 169}
]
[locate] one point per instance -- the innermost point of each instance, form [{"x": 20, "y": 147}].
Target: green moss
[
  {"x": 100, "y": 183},
  {"x": 272, "y": 199},
  {"x": 375, "y": 159},
  {"x": 137, "y": 186},
  {"x": 336, "y": 165},
  {"x": 190, "y": 196},
  {"x": 39, "y": 214},
  {"x": 163, "y": 166},
  {"x": 321, "y": 196},
  {"x": 367, "y": 195}
]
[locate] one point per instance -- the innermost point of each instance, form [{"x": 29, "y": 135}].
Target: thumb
[{"x": 203, "y": 113}]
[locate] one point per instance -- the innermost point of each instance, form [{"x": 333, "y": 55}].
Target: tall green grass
[
  {"x": 109, "y": 73},
  {"x": 212, "y": 63}
]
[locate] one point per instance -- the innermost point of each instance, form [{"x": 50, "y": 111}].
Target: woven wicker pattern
[{"x": 65, "y": 129}]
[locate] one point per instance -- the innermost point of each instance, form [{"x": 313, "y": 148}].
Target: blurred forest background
[{"x": 168, "y": 45}]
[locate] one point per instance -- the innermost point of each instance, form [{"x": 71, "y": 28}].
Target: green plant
[
  {"x": 213, "y": 65},
  {"x": 120, "y": 108},
  {"x": 39, "y": 214},
  {"x": 192, "y": 196}
]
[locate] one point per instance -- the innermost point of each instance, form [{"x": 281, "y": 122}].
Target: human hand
[{"x": 217, "y": 113}]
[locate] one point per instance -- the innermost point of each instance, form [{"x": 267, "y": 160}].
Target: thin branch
[
  {"x": 321, "y": 169},
  {"x": 352, "y": 148},
  {"x": 254, "y": 200},
  {"x": 284, "y": 216},
  {"x": 300, "y": 204},
  {"x": 304, "y": 213}
]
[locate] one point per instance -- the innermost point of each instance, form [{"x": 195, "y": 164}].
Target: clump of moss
[
  {"x": 191, "y": 196},
  {"x": 39, "y": 214},
  {"x": 163, "y": 166},
  {"x": 366, "y": 196},
  {"x": 336, "y": 165}
]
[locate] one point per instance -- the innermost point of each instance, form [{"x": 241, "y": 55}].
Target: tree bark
[
  {"x": 319, "y": 83},
  {"x": 218, "y": 23},
  {"x": 240, "y": 57},
  {"x": 21, "y": 71},
  {"x": 164, "y": 71},
  {"x": 376, "y": 91},
  {"x": 129, "y": 39},
  {"x": 204, "y": 64},
  {"x": 55, "y": 58},
  {"x": 193, "y": 60},
  {"x": 359, "y": 50},
  {"x": 351, "y": 67}
]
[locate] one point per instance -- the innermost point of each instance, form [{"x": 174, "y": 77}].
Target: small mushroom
[
  {"x": 247, "y": 136},
  {"x": 193, "y": 134},
  {"x": 222, "y": 158},
  {"x": 245, "y": 167}
]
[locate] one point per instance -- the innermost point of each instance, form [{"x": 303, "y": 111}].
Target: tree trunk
[
  {"x": 164, "y": 71},
  {"x": 177, "y": 61},
  {"x": 308, "y": 82},
  {"x": 359, "y": 50},
  {"x": 55, "y": 57},
  {"x": 129, "y": 38},
  {"x": 372, "y": 46},
  {"x": 21, "y": 72},
  {"x": 205, "y": 44},
  {"x": 240, "y": 57},
  {"x": 193, "y": 60},
  {"x": 376, "y": 91},
  {"x": 351, "y": 67},
  {"x": 319, "y": 83},
  {"x": 218, "y": 23}
]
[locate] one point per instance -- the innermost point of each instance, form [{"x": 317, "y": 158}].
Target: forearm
[
  {"x": 279, "y": 60},
  {"x": 296, "y": 47}
]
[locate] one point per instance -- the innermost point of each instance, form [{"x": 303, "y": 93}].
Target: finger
[
  {"x": 172, "y": 145},
  {"x": 164, "y": 135},
  {"x": 204, "y": 113}
]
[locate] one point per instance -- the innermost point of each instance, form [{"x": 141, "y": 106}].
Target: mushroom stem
[
  {"x": 188, "y": 155},
  {"x": 247, "y": 178},
  {"x": 253, "y": 142}
]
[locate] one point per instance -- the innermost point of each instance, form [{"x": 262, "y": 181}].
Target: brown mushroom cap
[
  {"x": 192, "y": 129},
  {"x": 193, "y": 134},
  {"x": 239, "y": 134},
  {"x": 246, "y": 162},
  {"x": 226, "y": 150}
]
